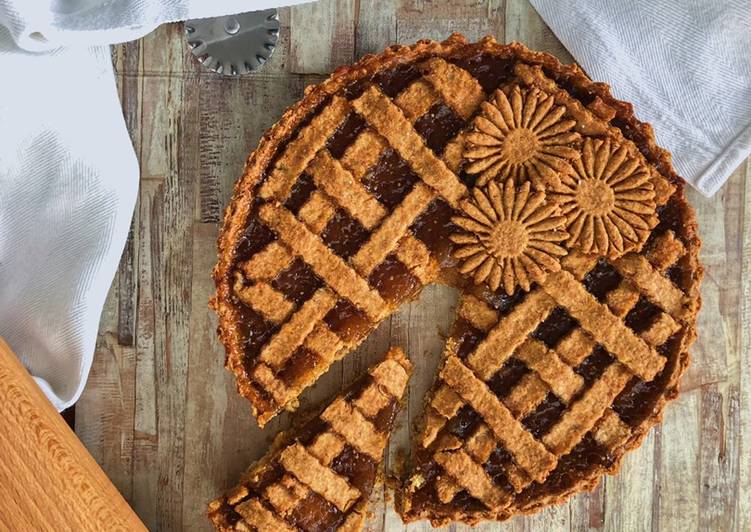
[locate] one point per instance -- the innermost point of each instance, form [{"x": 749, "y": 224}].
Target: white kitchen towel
[
  {"x": 68, "y": 173},
  {"x": 684, "y": 64}
]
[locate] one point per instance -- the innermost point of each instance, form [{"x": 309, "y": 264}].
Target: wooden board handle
[{"x": 48, "y": 481}]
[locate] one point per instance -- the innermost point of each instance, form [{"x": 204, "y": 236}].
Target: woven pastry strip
[
  {"x": 279, "y": 391},
  {"x": 457, "y": 87},
  {"x": 471, "y": 476},
  {"x": 584, "y": 413},
  {"x": 653, "y": 284},
  {"x": 299, "y": 152},
  {"x": 371, "y": 401},
  {"x": 348, "y": 421},
  {"x": 331, "y": 177},
  {"x": 526, "y": 395},
  {"x": 259, "y": 517},
  {"x": 308, "y": 470},
  {"x": 527, "y": 452},
  {"x": 263, "y": 298},
  {"x": 389, "y": 120},
  {"x": 391, "y": 231},
  {"x": 508, "y": 334},
  {"x": 327, "y": 446},
  {"x": 665, "y": 251},
  {"x": 293, "y": 333},
  {"x": 552, "y": 370},
  {"x": 364, "y": 153},
  {"x": 267, "y": 263},
  {"x": 416, "y": 99},
  {"x": 415, "y": 256},
  {"x": 330, "y": 267},
  {"x": 286, "y": 495},
  {"x": 317, "y": 212},
  {"x": 611, "y": 430},
  {"x": 606, "y": 328}
]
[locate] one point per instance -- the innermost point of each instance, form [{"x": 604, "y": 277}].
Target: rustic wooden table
[{"x": 160, "y": 413}]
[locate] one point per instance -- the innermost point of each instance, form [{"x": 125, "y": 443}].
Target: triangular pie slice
[{"x": 321, "y": 477}]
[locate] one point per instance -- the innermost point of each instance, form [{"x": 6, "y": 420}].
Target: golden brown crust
[
  {"x": 537, "y": 70},
  {"x": 320, "y": 474}
]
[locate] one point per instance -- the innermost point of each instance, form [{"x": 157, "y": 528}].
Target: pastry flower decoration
[
  {"x": 509, "y": 235},
  {"x": 608, "y": 200},
  {"x": 524, "y": 136}
]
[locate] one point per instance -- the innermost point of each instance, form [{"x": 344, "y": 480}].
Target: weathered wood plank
[
  {"x": 420, "y": 19},
  {"x": 632, "y": 488},
  {"x": 523, "y": 24},
  {"x": 375, "y": 26},
  {"x": 742, "y": 363},
  {"x": 677, "y": 483},
  {"x": 104, "y": 413},
  {"x": 322, "y": 36}
]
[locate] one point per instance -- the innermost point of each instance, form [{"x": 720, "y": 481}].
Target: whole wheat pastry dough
[{"x": 320, "y": 476}]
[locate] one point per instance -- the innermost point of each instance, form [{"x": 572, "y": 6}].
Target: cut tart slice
[{"x": 321, "y": 477}]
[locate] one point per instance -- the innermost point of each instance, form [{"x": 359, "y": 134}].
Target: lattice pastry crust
[
  {"x": 524, "y": 184},
  {"x": 321, "y": 476}
]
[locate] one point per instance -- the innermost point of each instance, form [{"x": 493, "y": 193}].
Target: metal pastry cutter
[{"x": 235, "y": 44}]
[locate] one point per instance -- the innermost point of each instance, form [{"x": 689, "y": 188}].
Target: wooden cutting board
[{"x": 48, "y": 481}]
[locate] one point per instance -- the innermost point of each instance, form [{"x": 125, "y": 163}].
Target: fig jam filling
[
  {"x": 347, "y": 321},
  {"x": 594, "y": 365},
  {"x": 507, "y": 377},
  {"x": 557, "y": 325},
  {"x": 495, "y": 468},
  {"x": 391, "y": 179},
  {"x": 302, "y": 362},
  {"x": 501, "y": 301},
  {"x": 255, "y": 237},
  {"x": 438, "y": 126},
  {"x": 547, "y": 413},
  {"x": 315, "y": 513},
  {"x": 255, "y": 329},
  {"x": 395, "y": 80},
  {"x": 489, "y": 70},
  {"x": 467, "y": 337},
  {"x": 298, "y": 282},
  {"x": 601, "y": 280},
  {"x": 393, "y": 280},
  {"x": 300, "y": 194},
  {"x": 642, "y": 315},
  {"x": 344, "y": 235},
  {"x": 432, "y": 226},
  {"x": 345, "y": 135}
]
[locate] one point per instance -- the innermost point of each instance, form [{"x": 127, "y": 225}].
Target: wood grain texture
[
  {"x": 161, "y": 415},
  {"x": 48, "y": 481}
]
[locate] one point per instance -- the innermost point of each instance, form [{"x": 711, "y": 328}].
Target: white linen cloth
[
  {"x": 684, "y": 64},
  {"x": 68, "y": 173}
]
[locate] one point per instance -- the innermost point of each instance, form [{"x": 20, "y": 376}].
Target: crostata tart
[
  {"x": 320, "y": 477},
  {"x": 523, "y": 184}
]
